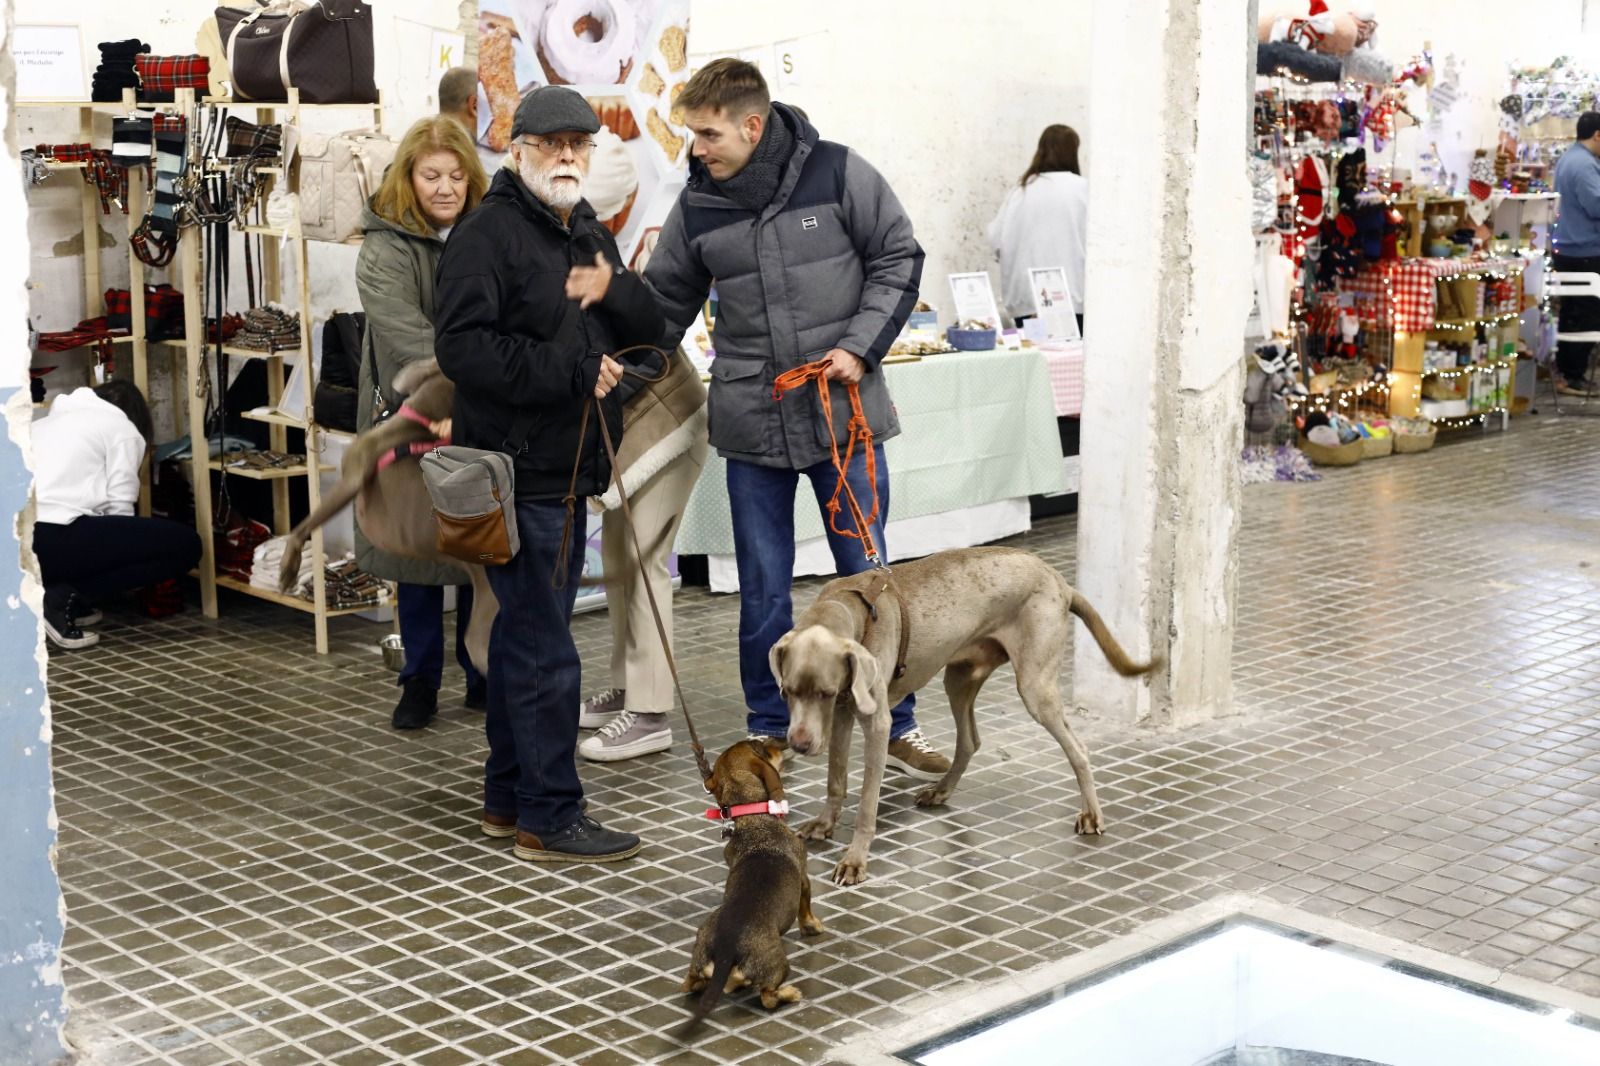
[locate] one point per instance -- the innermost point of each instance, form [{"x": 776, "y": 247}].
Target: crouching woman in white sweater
[{"x": 87, "y": 454}]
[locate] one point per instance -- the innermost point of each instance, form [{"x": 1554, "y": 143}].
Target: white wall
[{"x": 946, "y": 99}]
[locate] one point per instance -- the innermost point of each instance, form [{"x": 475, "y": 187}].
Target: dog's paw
[
  {"x": 932, "y": 796},
  {"x": 694, "y": 983},
  {"x": 815, "y": 829},
  {"x": 811, "y": 926},
  {"x": 771, "y": 997},
  {"x": 850, "y": 871},
  {"x": 1089, "y": 822}
]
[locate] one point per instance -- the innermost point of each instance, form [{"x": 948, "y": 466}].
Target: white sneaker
[
  {"x": 628, "y": 736},
  {"x": 599, "y": 709}
]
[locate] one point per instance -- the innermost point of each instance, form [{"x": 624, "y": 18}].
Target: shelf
[
  {"x": 223, "y": 168},
  {"x": 273, "y": 418},
  {"x": 227, "y": 581},
  {"x": 280, "y": 473},
  {"x": 260, "y": 353},
  {"x": 269, "y": 231},
  {"x": 109, "y": 105},
  {"x": 284, "y": 105}
]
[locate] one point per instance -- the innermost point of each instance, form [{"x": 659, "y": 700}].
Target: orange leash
[{"x": 860, "y": 434}]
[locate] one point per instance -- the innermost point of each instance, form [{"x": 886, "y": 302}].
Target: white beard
[{"x": 564, "y": 195}]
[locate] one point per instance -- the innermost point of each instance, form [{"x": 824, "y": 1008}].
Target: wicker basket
[
  {"x": 1344, "y": 455},
  {"x": 1377, "y": 447},
  {"x": 1408, "y": 443}
]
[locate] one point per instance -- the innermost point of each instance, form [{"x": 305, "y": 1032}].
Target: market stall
[{"x": 978, "y": 437}]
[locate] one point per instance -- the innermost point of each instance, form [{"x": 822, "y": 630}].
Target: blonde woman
[{"x": 434, "y": 180}]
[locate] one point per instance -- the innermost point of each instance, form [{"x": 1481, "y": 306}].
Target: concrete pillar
[
  {"x": 32, "y": 999},
  {"x": 1169, "y": 288}
]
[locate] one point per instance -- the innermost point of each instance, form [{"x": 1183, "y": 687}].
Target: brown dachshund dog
[{"x": 768, "y": 889}]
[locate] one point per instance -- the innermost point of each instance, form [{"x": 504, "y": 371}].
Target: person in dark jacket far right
[
  {"x": 814, "y": 259},
  {"x": 531, "y": 300}
]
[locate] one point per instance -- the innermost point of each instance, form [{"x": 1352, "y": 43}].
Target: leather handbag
[
  {"x": 338, "y": 175},
  {"x": 337, "y": 394},
  {"x": 474, "y": 505},
  {"x": 323, "y": 49}
]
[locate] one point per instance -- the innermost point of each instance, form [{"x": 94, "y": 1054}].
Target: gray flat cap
[{"x": 551, "y": 109}]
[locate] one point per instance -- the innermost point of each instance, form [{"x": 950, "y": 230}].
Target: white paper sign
[
  {"x": 974, "y": 297},
  {"x": 49, "y": 62},
  {"x": 1052, "y": 302},
  {"x": 795, "y": 61},
  {"x": 446, "y": 50}
]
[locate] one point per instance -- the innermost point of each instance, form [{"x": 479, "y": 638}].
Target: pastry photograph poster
[{"x": 629, "y": 58}]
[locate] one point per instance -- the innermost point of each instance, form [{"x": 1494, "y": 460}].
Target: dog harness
[
  {"x": 883, "y": 581},
  {"x": 778, "y": 807},
  {"x": 415, "y": 448}
]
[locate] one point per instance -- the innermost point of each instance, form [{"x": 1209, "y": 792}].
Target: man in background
[
  {"x": 1577, "y": 249},
  {"x": 458, "y": 99}
]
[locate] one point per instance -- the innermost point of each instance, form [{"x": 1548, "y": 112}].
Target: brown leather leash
[{"x": 633, "y": 533}]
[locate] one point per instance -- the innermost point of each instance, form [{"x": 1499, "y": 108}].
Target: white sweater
[
  {"x": 86, "y": 457},
  {"x": 1042, "y": 224}
]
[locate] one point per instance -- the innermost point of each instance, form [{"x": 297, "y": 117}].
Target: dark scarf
[{"x": 754, "y": 187}]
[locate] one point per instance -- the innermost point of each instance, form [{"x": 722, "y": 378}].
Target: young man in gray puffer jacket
[{"x": 813, "y": 259}]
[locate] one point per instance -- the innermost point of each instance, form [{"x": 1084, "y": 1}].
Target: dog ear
[
  {"x": 769, "y": 777},
  {"x": 776, "y": 655},
  {"x": 863, "y": 677},
  {"x": 413, "y": 374}
]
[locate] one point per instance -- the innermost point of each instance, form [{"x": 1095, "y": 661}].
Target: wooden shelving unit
[{"x": 274, "y": 240}]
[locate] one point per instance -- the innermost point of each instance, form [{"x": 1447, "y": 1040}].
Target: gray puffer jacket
[
  {"x": 830, "y": 263},
  {"x": 394, "y": 276}
]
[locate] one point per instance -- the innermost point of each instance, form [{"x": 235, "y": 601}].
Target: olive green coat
[{"x": 394, "y": 276}]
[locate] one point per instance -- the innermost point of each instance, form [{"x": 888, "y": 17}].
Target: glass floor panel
[{"x": 1246, "y": 992}]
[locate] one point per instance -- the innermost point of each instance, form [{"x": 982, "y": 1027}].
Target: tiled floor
[{"x": 258, "y": 870}]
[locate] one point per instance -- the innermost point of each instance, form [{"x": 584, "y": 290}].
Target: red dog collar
[{"x": 778, "y": 807}]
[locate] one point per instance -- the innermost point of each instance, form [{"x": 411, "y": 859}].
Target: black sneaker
[
  {"x": 585, "y": 840},
  {"x": 418, "y": 704},
  {"x": 60, "y": 625},
  {"x": 477, "y": 697},
  {"x": 86, "y": 614}
]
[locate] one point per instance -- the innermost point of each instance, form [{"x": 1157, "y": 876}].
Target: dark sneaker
[
  {"x": 626, "y": 736},
  {"x": 1579, "y": 387},
  {"x": 498, "y": 826},
  {"x": 600, "y": 709},
  {"x": 86, "y": 614},
  {"x": 477, "y": 697},
  {"x": 583, "y": 841},
  {"x": 418, "y": 704},
  {"x": 912, "y": 754},
  {"x": 60, "y": 626}
]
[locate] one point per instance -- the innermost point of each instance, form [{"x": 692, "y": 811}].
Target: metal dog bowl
[{"x": 394, "y": 652}]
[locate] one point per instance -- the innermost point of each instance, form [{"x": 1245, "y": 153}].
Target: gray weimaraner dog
[
  {"x": 392, "y": 504},
  {"x": 871, "y": 640}
]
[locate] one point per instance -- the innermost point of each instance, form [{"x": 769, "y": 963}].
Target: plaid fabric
[
  {"x": 171, "y": 124},
  {"x": 248, "y": 138},
  {"x": 66, "y": 153},
  {"x": 161, "y": 600},
  {"x": 165, "y": 74},
  {"x": 89, "y": 331},
  {"x": 163, "y": 311},
  {"x": 1401, "y": 294}
]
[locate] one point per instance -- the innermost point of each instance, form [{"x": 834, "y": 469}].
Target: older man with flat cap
[{"x": 532, "y": 299}]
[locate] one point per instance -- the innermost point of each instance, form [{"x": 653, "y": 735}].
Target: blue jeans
[
  {"x": 421, "y": 611},
  {"x": 762, "y": 501},
  {"x": 532, "y": 718}
]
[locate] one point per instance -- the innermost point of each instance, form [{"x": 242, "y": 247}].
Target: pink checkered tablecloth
[
  {"x": 1413, "y": 293},
  {"x": 1065, "y": 363}
]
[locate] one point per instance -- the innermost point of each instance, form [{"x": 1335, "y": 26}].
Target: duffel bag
[
  {"x": 338, "y": 174},
  {"x": 474, "y": 505},
  {"x": 323, "y": 49}
]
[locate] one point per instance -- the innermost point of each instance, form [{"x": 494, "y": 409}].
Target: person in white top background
[
  {"x": 1043, "y": 223},
  {"x": 88, "y": 452}
]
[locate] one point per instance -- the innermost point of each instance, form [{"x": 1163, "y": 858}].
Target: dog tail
[
  {"x": 721, "y": 971},
  {"x": 1119, "y": 659}
]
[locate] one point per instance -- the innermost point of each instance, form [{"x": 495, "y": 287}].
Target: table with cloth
[{"x": 978, "y": 437}]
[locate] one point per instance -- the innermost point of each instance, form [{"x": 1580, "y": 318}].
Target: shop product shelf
[
  {"x": 227, "y": 581},
  {"x": 279, "y": 473}
]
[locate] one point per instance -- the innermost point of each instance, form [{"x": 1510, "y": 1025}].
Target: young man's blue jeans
[
  {"x": 762, "y": 501},
  {"x": 532, "y": 719},
  {"x": 421, "y": 611}
]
